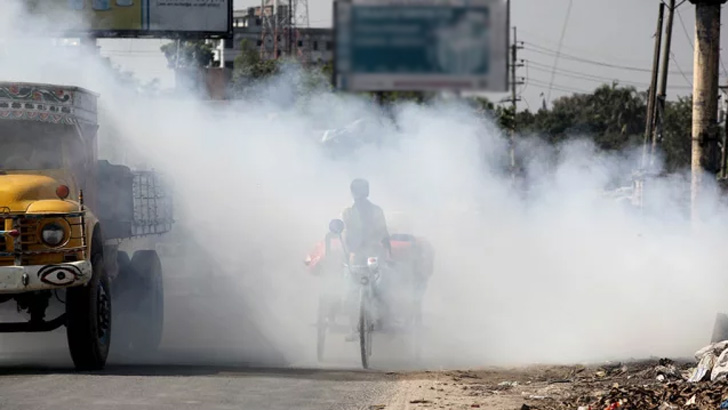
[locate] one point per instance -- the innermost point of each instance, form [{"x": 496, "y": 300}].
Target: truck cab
[{"x": 63, "y": 214}]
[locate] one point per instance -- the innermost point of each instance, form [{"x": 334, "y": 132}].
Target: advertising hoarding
[
  {"x": 421, "y": 45},
  {"x": 138, "y": 18}
]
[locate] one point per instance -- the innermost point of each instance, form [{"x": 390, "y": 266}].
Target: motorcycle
[{"x": 367, "y": 298}]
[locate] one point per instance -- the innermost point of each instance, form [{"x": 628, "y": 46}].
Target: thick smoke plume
[{"x": 562, "y": 274}]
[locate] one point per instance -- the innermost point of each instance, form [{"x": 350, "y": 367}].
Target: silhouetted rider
[
  {"x": 365, "y": 235},
  {"x": 365, "y": 232}
]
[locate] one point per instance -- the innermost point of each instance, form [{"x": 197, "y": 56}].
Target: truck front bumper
[{"x": 19, "y": 279}]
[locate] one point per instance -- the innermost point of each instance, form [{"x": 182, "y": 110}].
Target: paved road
[
  {"x": 211, "y": 358},
  {"x": 220, "y": 350},
  {"x": 190, "y": 387},
  {"x": 199, "y": 367}
]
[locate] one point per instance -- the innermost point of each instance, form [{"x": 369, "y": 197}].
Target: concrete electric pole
[
  {"x": 705, "y": 138},
  {"x": 639, "y": 180},
  {"x": 652, "y": 93},
  {"x": 515, "y": 64},
  {"x": 662, "y": 92}
]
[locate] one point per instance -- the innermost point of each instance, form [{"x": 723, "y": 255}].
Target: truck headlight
[{"x": 53, "y": 234}]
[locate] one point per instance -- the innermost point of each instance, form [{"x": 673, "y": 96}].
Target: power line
[
  {"x": 549, "y": 52},
  {"x": 692, "y": 43},
  {"x": 681, "y": 71},
  {"x": 525, "y": 86},
  {"x": 561, "y": 43},
  {"x": 592, "y": 77},
  {"x": 685, "y": 30},
  {"x": 558, "y": 87},
  {"x": 582, "y": 51}
]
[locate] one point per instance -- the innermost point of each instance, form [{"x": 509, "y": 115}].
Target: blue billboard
[{"x": 421, "y": 45}]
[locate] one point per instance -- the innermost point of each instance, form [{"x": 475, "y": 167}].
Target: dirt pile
[{"x": 638, "y": 385}]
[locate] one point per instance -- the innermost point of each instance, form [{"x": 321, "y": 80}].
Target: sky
[{"x": 616, "y": 32}]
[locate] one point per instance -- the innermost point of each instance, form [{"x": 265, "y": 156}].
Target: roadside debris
[
  {"x": 720, "y": 368},
  {"x": 420, "y": 401},
  {"x": 633, "y": 385},
  {"x": 713, "y": 363},
  {"x": 705, "y": 366}
]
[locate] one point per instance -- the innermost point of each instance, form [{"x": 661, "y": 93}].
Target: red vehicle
[{"x": 414, "y": 251}]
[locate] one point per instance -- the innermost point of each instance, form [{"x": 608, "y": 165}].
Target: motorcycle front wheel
[{"x": 365, "y": 329}]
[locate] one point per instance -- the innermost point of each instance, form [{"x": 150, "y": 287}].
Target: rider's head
[{"x": 359, "y": 189}]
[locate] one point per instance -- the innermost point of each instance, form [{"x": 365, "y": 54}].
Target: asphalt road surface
[
  {"x": 190, "y": 387},
  {"x": 210, "y": 358}
]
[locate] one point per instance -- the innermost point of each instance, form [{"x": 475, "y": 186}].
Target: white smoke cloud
[{"x": 562, "y": 275}]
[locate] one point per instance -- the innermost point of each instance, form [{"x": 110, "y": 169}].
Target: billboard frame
[
  {"x": 158, "y": 34},
  {"x": 335, "y": 77}
]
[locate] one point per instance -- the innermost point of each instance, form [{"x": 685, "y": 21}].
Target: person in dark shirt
[{"x": 365, "y": 232}]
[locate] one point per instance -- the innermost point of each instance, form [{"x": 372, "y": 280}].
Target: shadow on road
[{"x": 234, "y": 370}]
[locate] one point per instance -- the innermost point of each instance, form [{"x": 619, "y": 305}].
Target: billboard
[
  {"x": 421, "y": 45},
  {"x": 138, "y": 18}
]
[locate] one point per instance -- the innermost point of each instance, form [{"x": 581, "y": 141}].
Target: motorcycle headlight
[{"x": 53, "y": 234}]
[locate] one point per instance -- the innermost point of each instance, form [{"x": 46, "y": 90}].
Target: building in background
[{"x": 270, "y": 31}]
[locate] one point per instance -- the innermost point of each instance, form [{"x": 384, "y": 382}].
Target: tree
[
  {"x": 189, "y": 54},
  {"x": 613, "y": 116},
  {"x": 249, "y": 66},
  {"x": 677, "y": 132}
]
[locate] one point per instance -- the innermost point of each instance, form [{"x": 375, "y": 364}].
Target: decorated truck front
[
  {"x": 46, "y": 228},
  {"x": 63, "y": 215}
]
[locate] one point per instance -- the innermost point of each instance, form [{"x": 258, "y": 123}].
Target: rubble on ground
[{"x": 664, "y": 384}]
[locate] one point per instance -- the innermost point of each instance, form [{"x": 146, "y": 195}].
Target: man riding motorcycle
[
  {"x": 406, "y": 259},
  {"x": 365, "y": 235}
]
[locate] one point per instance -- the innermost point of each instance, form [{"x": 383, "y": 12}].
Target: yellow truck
[{"x": 64, "y": 215}]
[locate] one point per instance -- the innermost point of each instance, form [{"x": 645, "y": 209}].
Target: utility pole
[
  {"x": 662, "y": 94},
  {"x": 705, "y": 139},
  {"x": 652, "y": 92},
  {"x": 515, "y": 64},
  {"x": 723, "y": 175},
  {"x": 290, "y": 23},
  {"x": 639, "y": 178}
]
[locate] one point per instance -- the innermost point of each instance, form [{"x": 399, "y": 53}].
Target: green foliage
[
  {"x": 191, "y": 54},
  {"x": 613, "y": 116},
  {"x": 248, "y": 66},
  {"x": 676, "y": 143},
  {"x": 506, "y": 117},
  {"x": 327, "y": 70},
  {"x": 393, "y": 97}
]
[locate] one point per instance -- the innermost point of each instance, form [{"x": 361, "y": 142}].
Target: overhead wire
[
  {"x": 524, "y": 87},
  {"x": 561, "y": 43},
  {"x": 692, "y": 42},
  {"x": 578, "y": 50},
  {"x": 535, "y": 48},
  {"x": 592, "y": 77},
  {"x": 685, "y": 29},
  {"x": 681, "y": 71},
  {"x": 558, "y": 87}
]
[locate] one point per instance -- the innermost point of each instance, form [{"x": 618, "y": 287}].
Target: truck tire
[
  {"x": 720, "y": 329},
  {"x": 122, "y": 260},
  {"x": 139, "y": 313},
  {"x": 122, "y": 290},
  {"x": 88, "y": 319},
  {"x": 149, "y": 320}
]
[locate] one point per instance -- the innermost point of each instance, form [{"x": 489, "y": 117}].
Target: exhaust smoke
[{"x": 560, "y": 275}]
